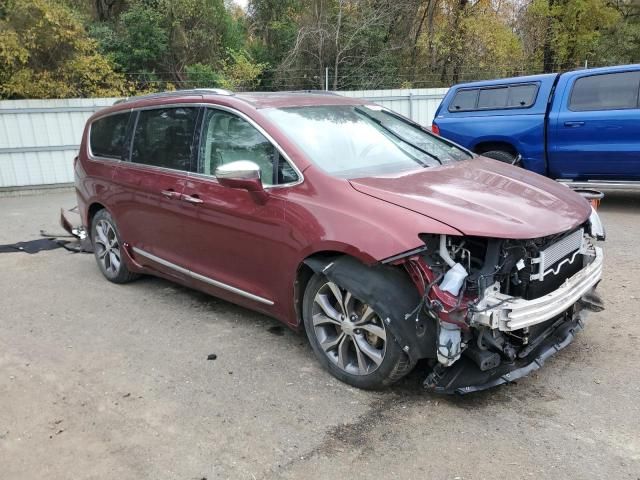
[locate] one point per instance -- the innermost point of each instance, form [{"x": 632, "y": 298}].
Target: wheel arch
[
  {"x": 389, "y": 289},
  {"x": 94, "y": 208},
  {"x": 488, "y": 145},
  {"x": 306, "y": 269}
]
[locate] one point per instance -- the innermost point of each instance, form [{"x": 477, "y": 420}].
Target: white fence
[{"x": 39, "y": 138}]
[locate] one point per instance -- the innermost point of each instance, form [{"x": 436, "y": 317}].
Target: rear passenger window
[
  {"x": 493, "y": 97},
  {"x": 464, "y": 100},
  {"x": 163, "y": 137},
  {"x": 108, "y": 134},
  {"x": 522, "y": 95},
  {"x": 611, "y": 91},
  {"x": 228, "y": 138}
]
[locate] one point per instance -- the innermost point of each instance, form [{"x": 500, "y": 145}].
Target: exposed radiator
[{"x": 551, "y": 255}]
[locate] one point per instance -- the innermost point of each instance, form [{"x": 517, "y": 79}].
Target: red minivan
[{"x": 388, "y": 243}]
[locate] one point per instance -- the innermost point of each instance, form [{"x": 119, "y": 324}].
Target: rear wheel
[
  {"x": 501, "y": 155},
  {"x": 349, "y": 338},
  {"x": 107, "y": 249}
]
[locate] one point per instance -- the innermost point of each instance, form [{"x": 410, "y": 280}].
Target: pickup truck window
[
  {"x": 494, "y": 98},
  {"x": 464, "y": 101},
  {"x": 522, "y": 95},
  {"x": 610, "y": 91}
]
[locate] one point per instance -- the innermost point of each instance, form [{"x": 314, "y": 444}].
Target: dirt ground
[{"x": 99, "y": 381}]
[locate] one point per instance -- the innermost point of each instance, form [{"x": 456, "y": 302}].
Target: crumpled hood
[{"x": 483, "y": 197}]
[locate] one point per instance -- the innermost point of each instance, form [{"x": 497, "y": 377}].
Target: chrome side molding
[{"x": 201, "y": 278}]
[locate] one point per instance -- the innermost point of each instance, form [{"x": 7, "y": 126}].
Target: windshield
[{"x": 354, "y": 141}]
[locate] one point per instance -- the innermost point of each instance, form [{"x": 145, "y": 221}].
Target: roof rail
[{"x": 177, "y": 93}]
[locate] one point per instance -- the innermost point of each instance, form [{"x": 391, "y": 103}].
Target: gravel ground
[{"x": 105, "y": 381}]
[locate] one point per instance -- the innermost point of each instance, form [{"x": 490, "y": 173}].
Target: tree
[
  {"x": 340, "y": 34},
  {"x": 46, "y": 53}
]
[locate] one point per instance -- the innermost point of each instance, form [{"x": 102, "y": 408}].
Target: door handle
[
  {"x": 192, "y": 199},
  {"x": 170, "y": 193},
  {"x": 573, "y": 124}
]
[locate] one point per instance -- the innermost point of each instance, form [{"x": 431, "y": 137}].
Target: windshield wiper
[{"x": 398, "y": 136}]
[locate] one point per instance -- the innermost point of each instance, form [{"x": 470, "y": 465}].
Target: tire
[
  {"x": 502, "y": 156},
  {"x": 364, "y": 338},
  {"x": 106, "y": 248}
]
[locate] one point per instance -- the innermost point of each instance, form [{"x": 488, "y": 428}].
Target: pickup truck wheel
[
  {"x": 349, "y": 338},
  {"x": 107, "y": 249},
  {"x": 502, "y": 156}
]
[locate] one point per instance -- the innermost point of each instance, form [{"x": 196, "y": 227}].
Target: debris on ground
[
  {"x": 83, "y": 241},
  {"x": 32, "y": 246},
  {"x": 276, "y": 330}
]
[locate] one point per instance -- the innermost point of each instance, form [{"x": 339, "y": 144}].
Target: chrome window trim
[
  {"x": 271, "y": 140},
  {"x": 234, "y": 111},
  {"x": 90, "y": 154},
  {"x": 202, "y": 278},
  {"x": 145, "y": 166}
]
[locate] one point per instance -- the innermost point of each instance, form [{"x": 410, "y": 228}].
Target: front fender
[{"x": 393, "y": 296}]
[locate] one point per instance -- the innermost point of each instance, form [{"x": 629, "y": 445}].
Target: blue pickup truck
[{"x": 581, "y": 126}]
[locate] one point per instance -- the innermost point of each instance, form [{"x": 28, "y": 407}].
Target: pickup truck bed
[{"x": 580, "y": 126}]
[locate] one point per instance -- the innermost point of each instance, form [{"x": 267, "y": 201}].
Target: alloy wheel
[
  {"x": 107, "y": 247},
  {"x": 349, "y": 331}
]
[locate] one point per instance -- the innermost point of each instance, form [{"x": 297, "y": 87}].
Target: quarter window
[
  {"x": 494, "y": 98},
  {"x": 108, "y": 134},
  {"x": 522, "y": 95},
  {"x": 227, "y": 138},
  {"x": 611, "y": 91},
  {"x": 464, "y": 100},
  {"x": 163, "y": 137}
]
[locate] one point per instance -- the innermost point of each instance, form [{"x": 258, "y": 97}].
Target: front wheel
[{"x": 349, "y": 338}]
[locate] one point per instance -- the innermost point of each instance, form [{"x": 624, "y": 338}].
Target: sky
[{"x": 242, "y": 3}]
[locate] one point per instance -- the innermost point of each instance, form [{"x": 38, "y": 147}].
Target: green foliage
[
  {"x": 45, "y": 53},
  {"x": 141, "y": 39},
  {"x": 63, "y": 48},
  {"x": 494, "y": 49},
  {"x": 203, "y": 76},
  {"x": 240, "y": 72},
  {"x": 577, "y": 27}
]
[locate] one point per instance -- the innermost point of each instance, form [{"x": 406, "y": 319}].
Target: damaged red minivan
[{"x": 386, "y": 243}]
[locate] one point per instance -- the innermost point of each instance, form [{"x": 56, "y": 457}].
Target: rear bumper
[{"x": 465, "y": 377}]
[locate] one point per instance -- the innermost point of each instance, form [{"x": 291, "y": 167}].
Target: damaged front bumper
[
  {"x": 500, "y": 338},
  {"x": 466, "y": 377},
  {"x": 507, "y": 313}
]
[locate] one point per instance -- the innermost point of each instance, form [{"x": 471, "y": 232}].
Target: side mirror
[{"x": 242, "y": 174}]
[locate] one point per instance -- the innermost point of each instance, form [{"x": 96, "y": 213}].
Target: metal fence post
[{"x": 411, "y": 106}]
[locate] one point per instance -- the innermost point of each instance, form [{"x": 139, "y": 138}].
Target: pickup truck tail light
[{"x": 435, "y": 128}]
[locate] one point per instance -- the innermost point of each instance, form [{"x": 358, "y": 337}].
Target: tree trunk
[
  {"x": 416, "y": 38},
  {"x": 459, "y": 40},
  {"x": 336, "y": 62},
  {"x": 548, "y": 59}
]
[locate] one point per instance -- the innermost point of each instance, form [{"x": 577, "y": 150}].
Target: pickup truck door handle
[
  {"x": 170, "y": 193},
  {"x": 192, "y": 199},
  {"x": 573, "y": 124}
]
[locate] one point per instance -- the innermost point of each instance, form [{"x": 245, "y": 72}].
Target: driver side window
[{"x": 228, "y": 138}]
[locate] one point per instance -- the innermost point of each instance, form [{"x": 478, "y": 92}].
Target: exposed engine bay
[{"x": 501, "y": 305}]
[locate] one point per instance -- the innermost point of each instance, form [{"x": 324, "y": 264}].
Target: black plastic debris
[
  {"x": 33, "y": 246},
  {"x": 212, "y": 356}
]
